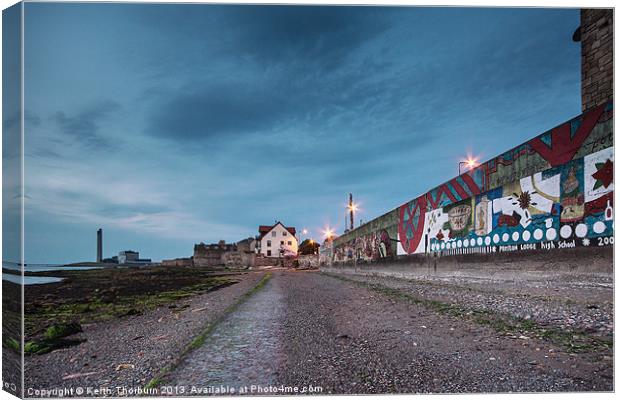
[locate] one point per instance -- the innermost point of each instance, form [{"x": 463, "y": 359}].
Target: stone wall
[
  {"x": 178, "y": 262},
  {"x": 597, "y": 68},
  {"x": 308, "y": 261},
  {"x": 263, "y": 261},
  {"x": 212, "y": 255},
  {"x": 238, "y": 259}
]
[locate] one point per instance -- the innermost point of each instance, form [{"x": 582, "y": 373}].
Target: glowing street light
[
  {"x": 353, "y": 207},
  {"x": 328, "y": 233},
  {"x": 469, "y": 163},
  {"x": 304, "y": 231}
]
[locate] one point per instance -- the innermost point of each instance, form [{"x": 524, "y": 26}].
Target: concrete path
[{"x": 243, "y": 350}]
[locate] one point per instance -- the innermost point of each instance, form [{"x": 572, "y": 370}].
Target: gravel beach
[
  {"x": 317, "y": 333},
  {"x": 349, "y": 339}
]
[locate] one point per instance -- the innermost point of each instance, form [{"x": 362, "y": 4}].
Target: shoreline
[{"x": 130, "y": 350}]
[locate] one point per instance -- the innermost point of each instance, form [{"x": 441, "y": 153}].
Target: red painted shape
[
  {"x": 599, "y": 205},
  {"x": 563, "y": 148},
  {"x": 471, "y": 184},
  {"x": 508, "y": 220},
  {"x": 440, "y": 191},
  {"x": 409, "y": 245},
  {"x": 605, "y": 174},
  {"x": 459, "y": 189}
]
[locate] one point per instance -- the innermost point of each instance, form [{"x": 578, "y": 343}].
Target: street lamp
[
  {"x": 304, "y": 232},
  {"x": 312, "y": 245},
  {"x": 470, "y": 163},
  {"x": 350, "y": 211}
]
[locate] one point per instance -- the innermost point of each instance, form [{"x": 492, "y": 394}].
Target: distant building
[
  {"x": 128, "y": 256},
  {"x": 131, "y": 257},
  {"x": 277, "y": 240},
  {"x": 212, "y": 255},
  {"x": 247, "y": 245}
]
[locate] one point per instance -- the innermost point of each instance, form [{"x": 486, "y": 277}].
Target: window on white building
[
  {"x": 281, "y": 242},
  {"x": 273, "y": 233},
  {"x": 284, "y": 233},
  {"x": 268, "y": 243},
  {"x": 290, "y": 243},
  {"x": 268, "y": 252}
]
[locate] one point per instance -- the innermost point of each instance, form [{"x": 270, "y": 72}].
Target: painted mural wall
[
  {"x": 554, "y": 191},
  {"x": 370, "y": 242}
]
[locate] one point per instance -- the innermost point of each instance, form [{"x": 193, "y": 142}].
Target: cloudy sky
[{"x": 167, "y": 125}]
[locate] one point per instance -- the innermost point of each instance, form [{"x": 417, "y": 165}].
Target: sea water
[{"x": 34, "y": 280}]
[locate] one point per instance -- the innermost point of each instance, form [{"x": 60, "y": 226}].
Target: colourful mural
[
  {"x": 544, "y": 211},
  {"x": 554, "y": 191},
  {"x": 567, "y": 200},
  {"x": 371, "y": 247}
]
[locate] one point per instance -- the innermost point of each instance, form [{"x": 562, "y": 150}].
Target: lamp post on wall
[{"x": 470, "y": 163}]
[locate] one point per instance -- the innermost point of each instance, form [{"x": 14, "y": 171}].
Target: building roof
[{"x": 265, "y": 229}]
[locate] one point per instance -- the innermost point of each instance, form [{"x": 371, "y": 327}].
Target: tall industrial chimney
[{"x": 99, "y": 245}]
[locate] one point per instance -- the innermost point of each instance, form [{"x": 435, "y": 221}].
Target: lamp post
[
  {"x": 470, "y": 163},
  {"x": 351, "y": 209}
]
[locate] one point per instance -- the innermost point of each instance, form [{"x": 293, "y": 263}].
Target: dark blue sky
[{"x": 167, "y": 125}]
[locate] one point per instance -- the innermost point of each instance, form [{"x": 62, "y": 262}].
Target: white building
[
  {"x": 128, "y": 256},
  {"x": 131, "y": 257},
  {"x": 277, "y": 240}
]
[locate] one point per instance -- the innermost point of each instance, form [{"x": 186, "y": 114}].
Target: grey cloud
[
  {"x": 323, "y": 35},
  {"x": 264, "y": 102},
  {"x": 84, "y": 126},
  {"x": 14, "y": 120},
  {"x": 217, "y": 109}
]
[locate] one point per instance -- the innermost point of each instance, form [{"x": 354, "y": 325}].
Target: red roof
[{"x": 265, "y": 229}]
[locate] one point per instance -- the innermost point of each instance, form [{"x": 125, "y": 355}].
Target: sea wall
[
  {"x": 574, "y": 265},
  {"x": 552, "y": 192}
]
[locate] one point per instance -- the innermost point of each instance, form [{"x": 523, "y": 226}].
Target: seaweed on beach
[{"x": 55, "y": 312}]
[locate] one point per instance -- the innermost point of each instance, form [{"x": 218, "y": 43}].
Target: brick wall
[{"x": 597, "y": 68}]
